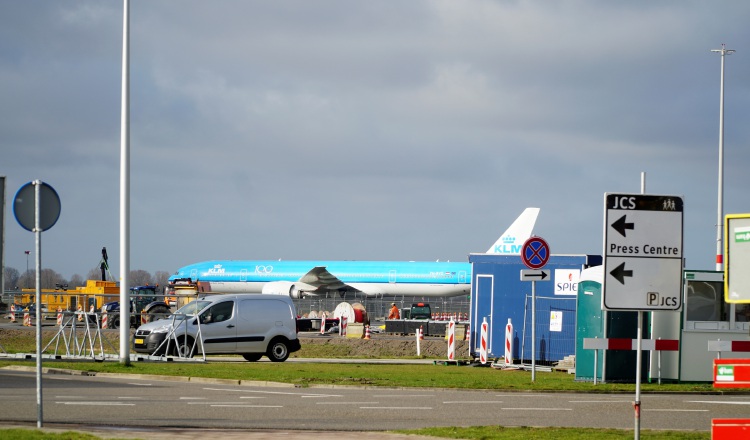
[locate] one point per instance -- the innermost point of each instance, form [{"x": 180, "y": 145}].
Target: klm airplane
[{"x": 369, "y": 278}]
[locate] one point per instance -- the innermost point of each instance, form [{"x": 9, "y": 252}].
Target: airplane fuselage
[{"x": 372, "y": 278}]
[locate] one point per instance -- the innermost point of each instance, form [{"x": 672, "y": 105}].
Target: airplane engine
[{"x": 283, "y": 288}]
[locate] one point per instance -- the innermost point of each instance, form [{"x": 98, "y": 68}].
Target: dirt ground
[{"x": 313, "y": 345}]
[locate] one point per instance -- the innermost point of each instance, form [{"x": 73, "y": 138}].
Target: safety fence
[
  {"x": 555, "y": 329},
  {"x": 83, "y": 335}
]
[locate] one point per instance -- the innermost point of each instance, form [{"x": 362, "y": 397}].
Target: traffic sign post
[
  {"x": 737, "y": 256},
  {"x": 535, "y": 254},
  {"x": 642, "y": 252},
  {"x": 37, "y": 208}
]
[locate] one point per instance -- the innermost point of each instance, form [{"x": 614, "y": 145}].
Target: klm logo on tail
[
  {"x": 512, "y": 240},
  {"x": 507, "y": 245}
]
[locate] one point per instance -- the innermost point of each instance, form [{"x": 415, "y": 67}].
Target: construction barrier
[
  {"x": 80, "y": 313},
  {"x": 451, "y": 340},
  {"x": 104, "y": 318},
  {"x": 509, "y": 343},
  {"x": 729, "y": 346},
  {"x": 12, "y": 313},
  {"x": 367, "y": 331},
  {"x": 483, "y": 342},
  {"x": 658, "y": 345},
  {"x": 323, "y": 324},
  {"x": 26, "y": 318},
  {"x": 59, "y": 317}
]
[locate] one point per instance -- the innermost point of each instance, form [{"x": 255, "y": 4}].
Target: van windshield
[{"x": 191, "y": 309}]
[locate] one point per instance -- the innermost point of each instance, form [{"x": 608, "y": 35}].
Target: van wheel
[
  {"x": 278, "y": 351},
  {"x": 184, "y": 348},
  {"x": 252, "y": 357}
]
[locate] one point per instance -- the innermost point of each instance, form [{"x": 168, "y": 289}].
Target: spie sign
[{"x": 642, "y": 252}]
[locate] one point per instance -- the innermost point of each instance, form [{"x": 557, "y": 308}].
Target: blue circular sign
[
  {"x": 24, "y": 206},
  {"x": 535, "y": 253}
]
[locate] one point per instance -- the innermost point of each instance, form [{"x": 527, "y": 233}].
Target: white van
[{"x": 252, "y": 325}]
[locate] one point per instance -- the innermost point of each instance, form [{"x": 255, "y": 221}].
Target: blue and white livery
[{"x": 370, "y": 278}]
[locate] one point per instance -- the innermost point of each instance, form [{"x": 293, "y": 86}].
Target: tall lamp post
[
  {"x": 720, "y": 212},
  {"x": 26, "y": 275}
]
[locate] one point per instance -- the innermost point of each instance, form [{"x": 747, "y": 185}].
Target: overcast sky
[{"x": 359, "y": 130}]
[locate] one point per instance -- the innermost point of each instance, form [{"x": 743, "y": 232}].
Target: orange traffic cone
[{"x": 367, "y": 332}]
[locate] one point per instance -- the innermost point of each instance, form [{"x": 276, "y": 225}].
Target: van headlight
[{"x": 162, "y": 329}]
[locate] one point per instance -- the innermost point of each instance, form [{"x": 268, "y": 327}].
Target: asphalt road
[{"x": 147, "y": 402}]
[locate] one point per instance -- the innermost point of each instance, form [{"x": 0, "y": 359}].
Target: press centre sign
[{"x": 642, "y": 252}]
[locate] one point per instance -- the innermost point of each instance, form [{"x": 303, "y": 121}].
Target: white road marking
[
  {"x": 346, "y": 403},
  {"x": 100, "y": 403},
  {"x": 283, "y": 393},
  {"x": 396, "y": 407},
  {"x": 718, "y": 402},
  {"x": 537, "y": 409},
  {"x": 450, "y": 402},
  {"x": 245, "y": 406},
  {"x": 600, "y": 401}
]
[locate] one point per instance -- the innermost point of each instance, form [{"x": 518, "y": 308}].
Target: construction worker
[{"x": 394, "y": 313}]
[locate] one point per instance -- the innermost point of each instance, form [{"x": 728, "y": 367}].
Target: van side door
[{"x": 218, "y": 326}]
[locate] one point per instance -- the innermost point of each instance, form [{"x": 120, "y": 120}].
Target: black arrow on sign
[
  {"x": 542, "y": 274},
  {"x": 620, "y": 273},
  {"x": 620, "y": 226}
]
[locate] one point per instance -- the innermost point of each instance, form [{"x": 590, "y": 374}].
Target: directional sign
[
  {"x": 535, "y": 253},
  {"x": 642, "y": 252},
  {"x": 535, "y": 275}
]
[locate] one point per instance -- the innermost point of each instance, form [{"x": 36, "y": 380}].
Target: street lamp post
[
  {"x": 26, "y": 275},
  {"x": 720, "y": 211}
]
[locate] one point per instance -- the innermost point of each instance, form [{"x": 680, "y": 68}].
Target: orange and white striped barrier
[
  {"x": 421, "y": 333},
  {"x": 323, "y": 324},
  {"x": 483, "y": 342},
  {"x": 91, "y": 310},
  {"x": 104, "y": 318},
  {"x": 26, "y": 318},
  {"x": 468, "y": 334},
  {"x": 12, "y": 313},
  {"x": 144, "y": 317},
  {"x": 509, "y": 343},
  {"x": 59, "y": 317},
  {"x": 79, "y": 312},
  {"x": 451, "y": 340},
  {"x": 367, "y": 331}
]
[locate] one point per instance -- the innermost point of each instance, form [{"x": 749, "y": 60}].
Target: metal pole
[
  {"x": 638, "y": 361},
  {"x": 38, "y": 240},
  {"x": 125, "y": 190},
  {"x": 720, "y": 210},
  {"x": 533, "y": 331}
]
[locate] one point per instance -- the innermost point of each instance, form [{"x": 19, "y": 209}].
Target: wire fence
[{"x": 555, "y": 329}]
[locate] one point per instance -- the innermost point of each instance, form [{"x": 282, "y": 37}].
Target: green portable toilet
[{"x": 593, "y": 322}]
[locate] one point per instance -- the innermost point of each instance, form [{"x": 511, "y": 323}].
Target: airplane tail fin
[{"x": 515, "y": 236}]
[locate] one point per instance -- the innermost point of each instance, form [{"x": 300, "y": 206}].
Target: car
[{"x": 253, "y": 325}]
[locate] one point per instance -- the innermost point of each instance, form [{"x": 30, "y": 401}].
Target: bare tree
[
  {"x": 161, "y": 278},
  {"x": 76, "y": 281},
  {"x": 140, "y": 278},
  {"x": 50, "y": 278},
  {"x": 12, "y": 276}
]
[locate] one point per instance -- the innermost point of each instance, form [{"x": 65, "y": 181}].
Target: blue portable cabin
[{"x": 498, "y": 294}]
